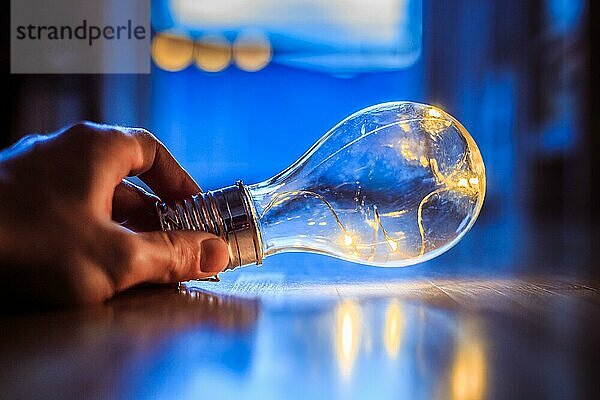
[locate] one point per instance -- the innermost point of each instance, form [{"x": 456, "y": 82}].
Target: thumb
[{"x": 173, "y": 256}]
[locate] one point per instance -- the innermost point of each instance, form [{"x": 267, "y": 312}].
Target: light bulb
[{"x": 392, "y": 185}]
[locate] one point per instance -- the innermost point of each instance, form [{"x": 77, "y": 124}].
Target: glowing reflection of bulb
[
  {"x": 469, "y": 369},
  {"x": 392, "y": 185},
  {"x": 394, "y": 327},
  {"x": 347, "y": 336}
]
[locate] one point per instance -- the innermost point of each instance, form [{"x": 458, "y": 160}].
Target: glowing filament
[
  {"x": 349, "y": 208},
  {"x": 348, "y": 240}
]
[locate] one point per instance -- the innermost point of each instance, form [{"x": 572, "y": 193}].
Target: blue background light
[{"x": 469, "y": 58}]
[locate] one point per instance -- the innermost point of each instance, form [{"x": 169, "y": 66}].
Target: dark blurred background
[{"x": 239, "y": 90}]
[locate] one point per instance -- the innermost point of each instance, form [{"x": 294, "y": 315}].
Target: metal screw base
[{"x": 227, "y": 212}]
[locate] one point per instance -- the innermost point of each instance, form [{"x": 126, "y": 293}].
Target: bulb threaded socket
[{"x": 227, "y": 212}]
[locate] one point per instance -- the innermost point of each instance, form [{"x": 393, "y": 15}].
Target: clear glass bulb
[{"x": 392, "y": 185}]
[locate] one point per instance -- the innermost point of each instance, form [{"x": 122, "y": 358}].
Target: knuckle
[
  {"x": 94, "y": 135},
  {"x": 81, "y": 133},
  {"x": 117, "y": 140},
  {"x": 143, "y": 133},
  {"x": 80, "y": 129},
  {"x": 144, "y": 136},
  {"x": 83, "y": 125}
]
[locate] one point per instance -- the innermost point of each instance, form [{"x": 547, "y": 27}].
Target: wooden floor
[{"x": 264, "y": 335}]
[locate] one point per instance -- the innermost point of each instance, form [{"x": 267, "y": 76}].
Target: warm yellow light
[
  {"x": 322, "y": 223},
  {"x": 474, "y": 181},
  {"x": 348, "y": 336},
  {"x": 172, "y": 52},
  {"x": 468, "y": 377},
  {"x": 251, "y": 51},
  {"x": 462, "y": 182},
  {"x": 432, "y": 112},
  {"x": 393, "y": 245},
  {"x": 348, "y": 240},
  {"x": 394, "y": 327},
  {"x": 212, "y": 53},
  {"x": 407, "y": 150},
  {"x": 435, "y": 122},
  {"x": 311, "y": 223}
]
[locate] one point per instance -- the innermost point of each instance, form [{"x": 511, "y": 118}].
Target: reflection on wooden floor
[
  {"x": 259, "y": 335},
  {"x": 465, "y": 293}
]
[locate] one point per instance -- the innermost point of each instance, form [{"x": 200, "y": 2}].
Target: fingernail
[{"x": 215, "y": 255}]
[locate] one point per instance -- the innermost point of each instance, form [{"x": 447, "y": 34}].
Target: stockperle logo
[{"x": 80, "y": 36}]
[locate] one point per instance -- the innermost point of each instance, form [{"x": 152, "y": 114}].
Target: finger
[
  {"x": 135, "y": 208},
  {"x": 119, "y": 152},
  {"x": 160, "y": 171},
  {"x": 162, "y": 257}
]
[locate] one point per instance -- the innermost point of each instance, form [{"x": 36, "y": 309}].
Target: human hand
[{"x": 73, "y": 231}]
